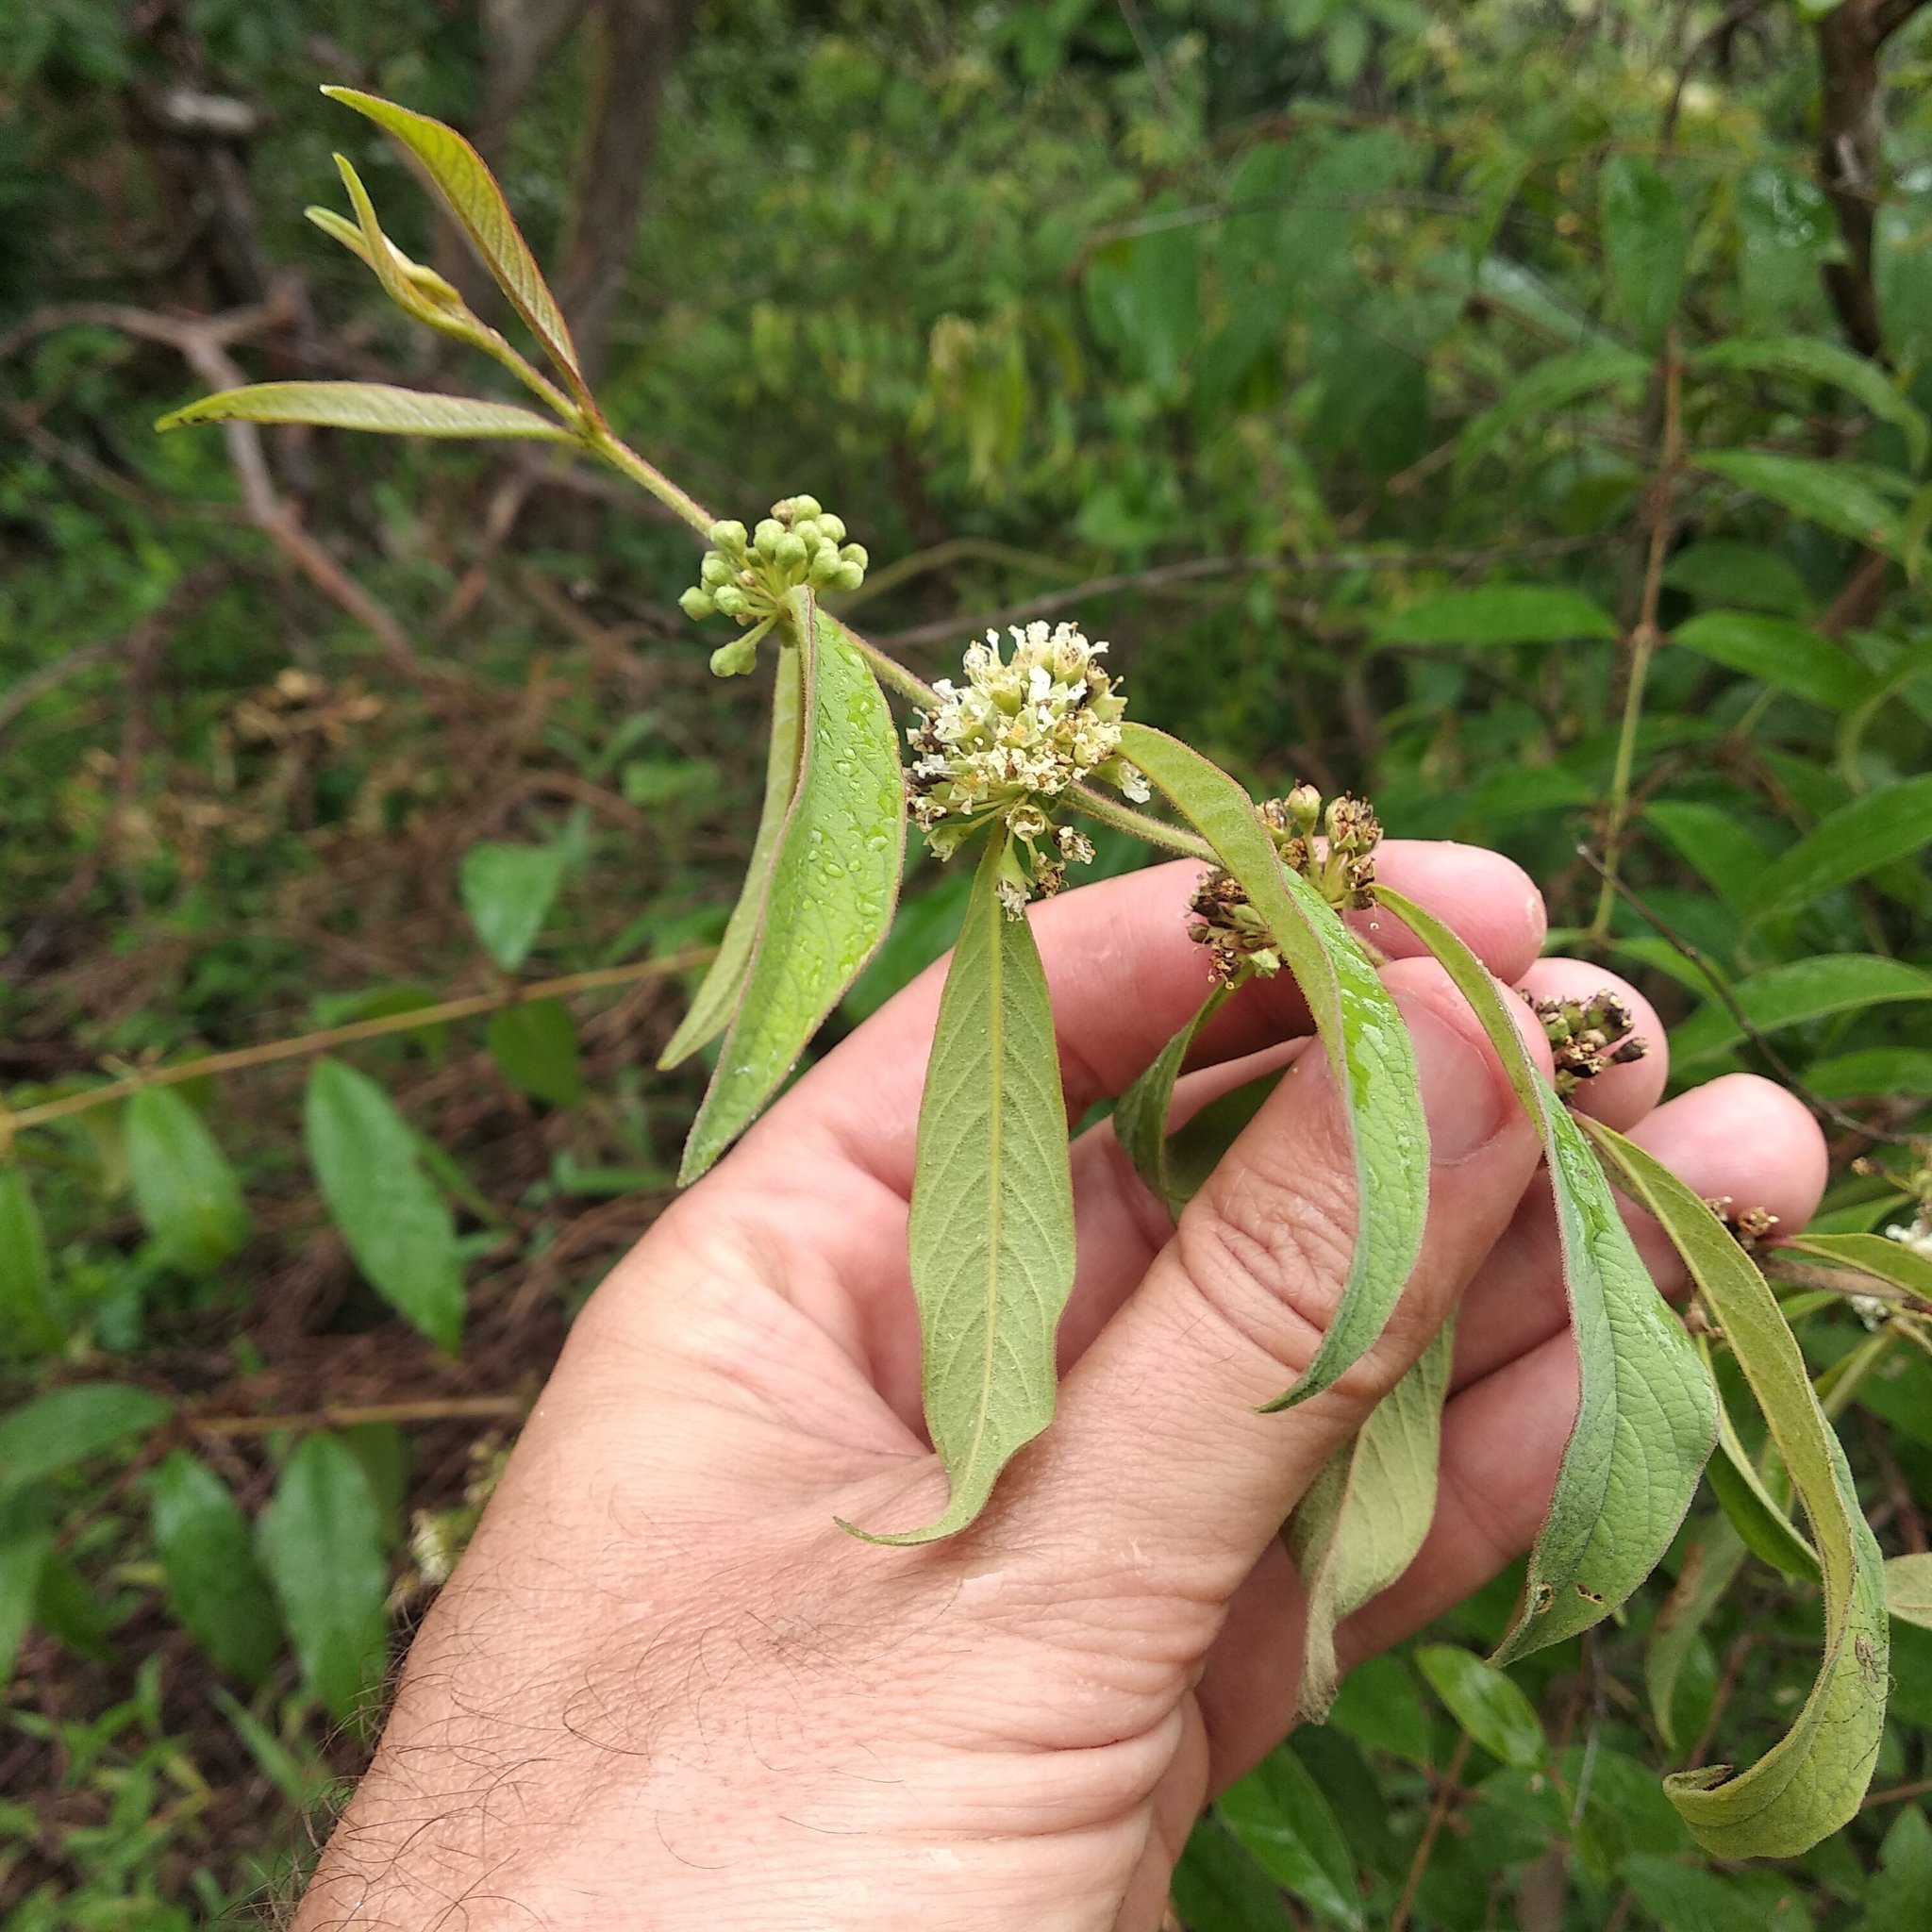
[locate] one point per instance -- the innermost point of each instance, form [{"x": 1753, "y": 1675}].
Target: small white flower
[{"x": 1915, "y": 1235}]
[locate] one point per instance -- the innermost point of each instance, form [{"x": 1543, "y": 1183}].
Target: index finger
[{"x": 1124, "y": 977}]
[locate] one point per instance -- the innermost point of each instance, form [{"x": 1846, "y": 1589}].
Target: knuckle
[{"x": 1266, "y": 1253}]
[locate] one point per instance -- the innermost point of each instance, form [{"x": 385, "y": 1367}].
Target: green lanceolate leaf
[
  {"x": 1909, "y": 1589},
  {"x": 717, "y": 998},
  {"x": 1488, "y": 1704},
  {"x": 469, "y": 191},
  {"x": 1811, "y": 1781},
  {"x": 1646, "y": 1416},
  {"x": 1713, "y": 1554},
  {"x": 1820, "y": 492},
  {"x": 398, "y": 1225},
  {"x": 1846, "y": 844},
  {"x": 320, "y": 1542},
  {"x": 1140, "y": 1116},
  {"x": 1888, "y": 1261},
  {"x": 378, "y": 407},
  {"x": 835, "y": 879},
  {"x": 992, "y": 1206},
  {"x": 186, "y": 1190},
  {"x": 1777, "y": 652},
  {"x": 1499, "y": 614},
  {"x": 215, "y": 1588},
  {"x": 1807, "y": 359},
  {"x": 28, "y": 1324},
  {"x": 1552, "y": 385},
  {"x": 1365, "y": 1515},
  {"x": 1646, "y": 243},
  {"x": 507, "y": 891},
  {"x": 67, "y": 1426},
  {"x": 1789, "y": 995},
  {"x": 1360, "y": 1028},
  {"x": 1284, "y": 1821}
]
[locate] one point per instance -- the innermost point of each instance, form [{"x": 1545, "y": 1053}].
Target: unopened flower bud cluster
[
  {"x": 746, "y": 575},
  {"x": 1753, "y": 1226},
  {"x": 1024, "y": 728},
  {"x": 1586, "y": 1037}
]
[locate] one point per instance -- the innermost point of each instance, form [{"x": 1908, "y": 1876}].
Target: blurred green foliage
[{"x": 1314, "y": 352}]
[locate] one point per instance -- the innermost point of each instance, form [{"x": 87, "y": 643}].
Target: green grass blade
[
  {"x": 1362, "y": 1032},
  {"x": 835, "y": 880},
  {"x": 1647, "y": 1415},
  {"x": 992, "y": 1207},
  {"x": 379, "y": 408},
  {"x": 1813, "y": 1779},
  {"x": 717, "y": 999},
  {"x": 1365, "y": 1515}
]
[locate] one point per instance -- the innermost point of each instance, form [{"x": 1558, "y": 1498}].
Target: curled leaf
[
  {"x": 1812, "y": 1780},
  {"x": 1140, "y": 1116}
]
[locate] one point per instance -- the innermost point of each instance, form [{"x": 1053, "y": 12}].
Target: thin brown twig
[
  {"x": 1897, "y": 1794},
  {"x": 302, "y": 1046},
  {"x": 1438, "y": 1812},
  {"x": 350, "y": 1416}
]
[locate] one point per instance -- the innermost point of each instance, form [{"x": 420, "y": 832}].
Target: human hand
[{"x": 664, "y": 1688}]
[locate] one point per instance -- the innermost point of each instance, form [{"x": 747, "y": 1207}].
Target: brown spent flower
[{"x": 1586, "y": 1037}]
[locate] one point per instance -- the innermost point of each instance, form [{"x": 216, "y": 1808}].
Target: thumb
[{"x": 1157, "y": 1446}]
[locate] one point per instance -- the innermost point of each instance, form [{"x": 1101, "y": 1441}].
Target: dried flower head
[
  {"x": 1342, "y": 866},
  {"x": 1221, "y": 918},
  {"x": 1024, "y": 727},
  {"x": 747, "y": 575},
  {"x": 1588, "y": 1036}
]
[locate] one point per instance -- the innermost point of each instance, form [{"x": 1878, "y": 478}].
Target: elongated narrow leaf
[
  {"x": 1846, "y": 844},
  {"x": 1821, "y": 493},
  {"x": 1490, "y": 1705},
  {"x": 1499, "y": 614},
  {"x": 1755, "y": 1514},
  {"x": 1365, "y": 1515},
  {"x": 1217, "y": 1884},
  {"x": 1360, "y": 1028},
  {"x": 507, "y": 891},
  {"x": 717, "y": 999},
  {"x": 26, "y": 1541},
  {"x": 215, "y": 1587},
  {"x": 1811, "y": 1781},
  {"x": 1646, "y": 244},
  {"x": 28, "y": 1324},
  {"x": 1784, "y": 655},
  {"x": 1909, "y": 1589},
  {"x": 378, "y": 407},
  {"x": 1724, "y": 851},
  {"x": 1140, "y": 1116},
  {"x": 1552, "y": 385},
  {"x": 469, "y": 191},
  {"x": 1810, "y": 358},
  {"x": 1284, "y": 1821},
  {"x": 992, "y": 1206},
  {"x": 1790, "y": 995},
  {"x": 835, "y": 880},
  {"x": 1646, "y": 1417},
  {"x": 1713, "y": 1554},
  {"x": 187, "y": 1193},
  {"x": 320, "y": 1542},
  {"x": 66, "y": 1427},
  {"x": 396, "y": 1225},
  {"x": 1889, "y": 1261}
]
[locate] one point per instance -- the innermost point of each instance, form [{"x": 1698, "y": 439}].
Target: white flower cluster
[
  {"x": 1915, "y": 1234},
  {"x": 1025, "y": 729}
]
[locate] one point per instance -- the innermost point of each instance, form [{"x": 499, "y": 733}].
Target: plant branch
[
  {"x": 647, "y": 476},
  {"x": 1094, "y": 803},
  {"x": 435, "y": 1409},
  {"x": 1432, "y": 1828},
  {"x": 303, "y": 1045},
  {"x": 1643, "y": 636}
]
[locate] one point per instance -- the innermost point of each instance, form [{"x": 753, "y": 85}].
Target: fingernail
[{"x": 1463, "y": 1093}]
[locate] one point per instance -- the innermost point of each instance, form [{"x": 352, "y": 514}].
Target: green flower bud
[
  {"x": 808, "y": 530},
  {"x": 849, "y": 577},
  {"x": 731, "y": 601},
  {"x": 736, "y": 658},
  {"x": 696, "y": 603},
  {"x": 728, "y": 536},
  {"x": 822, "y": 574},
  {"x": 790, "y": 553},
  {"x": 714, "y": 571},
  {"x": 766, "y": 538},
  {"x": 796, "y": 506},
  {"x": 831, "y": 526},
  {"x": 855, "y": 553}
]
